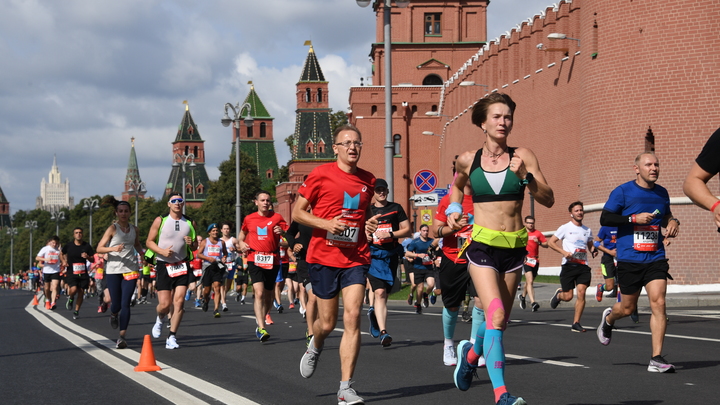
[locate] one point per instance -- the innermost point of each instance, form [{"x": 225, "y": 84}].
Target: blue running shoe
[
  {"x": 507, "y": 399},
  {"x": 385, "y": 339},
  {"x": 187, "y": 295},
  {"x": 374, "y": 328},
  {"x": 464, "y": 371},
  {"x": 433, "y": 298}
]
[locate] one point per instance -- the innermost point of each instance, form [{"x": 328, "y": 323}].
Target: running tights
[{"x": 121, "y": 292}]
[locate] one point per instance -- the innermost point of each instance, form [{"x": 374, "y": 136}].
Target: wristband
[
  {"x": 439, "y": 231},
  {"x": 632, "y": 219},
  {"x": 712, "y": 209},
  {"x": 453, "y": 208},
  {"x": 392, "y": 235}
]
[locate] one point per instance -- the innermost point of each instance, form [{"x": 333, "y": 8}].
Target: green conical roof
[
  {"x": 311, "y": 71},
  {"x": 2, "y": 196},
  {"x": 257, "y": 109},
  {"x": 188, "y": 131},
  {"x": 133, "y": 172}
]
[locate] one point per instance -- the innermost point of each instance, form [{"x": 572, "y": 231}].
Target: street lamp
[
  {"x": 557, "y": 35},
  {"x": 32, "y": 225},
  {"x": 57, "y": 216},
  {"x": 184, "y": 158},
  {"x": 467, "y": 84},
  {"x": 137, "y": 187},
  {"x": 387, "y": 40},
  {"x": 226, "y": 120},
  {"x": 91, "y": 205},
  {"x": 12, "y": 232}
]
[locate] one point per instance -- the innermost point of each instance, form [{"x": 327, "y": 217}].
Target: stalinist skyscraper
[{"x": 54, "y": 194}]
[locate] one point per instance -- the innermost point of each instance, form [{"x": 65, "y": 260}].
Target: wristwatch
[{"x": 528, "y": 178}]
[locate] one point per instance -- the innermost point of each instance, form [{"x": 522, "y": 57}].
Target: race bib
[
  {"x": 79, "y": 268},
  {"x": 153, "y": 274},
  {"x": 531, "y": 261},
  {"x": 645, "y": 238},
  {"x": 463, "y": 236},
  {"x": 426, "y": 260},
  {"x": 52, "y": 258},
  {"x": 133, "y": 275},
  {"x": 579, "y": 256},
  {"x": 382, "y": 228},
  {"x": 214, "y": 250},
  {"x": 197, "y": 272},
  {"x": 347, "y": 239},
  {"x": 264, "y": 260},
  {"x": 176, "y": 269},
  {"x": 292, "y": 268},
  {"x": 99, "y": 273}
]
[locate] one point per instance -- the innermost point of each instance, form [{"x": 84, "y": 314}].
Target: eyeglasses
[
  {"x": 347, "y": 144},
  {"x": 176, "y": 201}
]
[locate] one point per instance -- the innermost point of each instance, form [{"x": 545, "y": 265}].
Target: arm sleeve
[
  {"x": 542, "y": 238},
  {"x": 707, "y": 159},
  {"x": 608, "y": 218},
  {"x": 290, "y": 234}
]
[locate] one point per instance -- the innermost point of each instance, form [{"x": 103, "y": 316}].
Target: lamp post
[
  {"x": 137, "y": 187},
  {"x": 226, "y": 120},
  {"x": 468, "y": 84},
  {"x": 387, "y": 40},
  {"x": 57, "y": 216},
  {"x": 12, "y": 232},
  {"x": 32, "y": 225},
  {"x": 91, "y": 205},
  {"x": 184, "y": 159}
]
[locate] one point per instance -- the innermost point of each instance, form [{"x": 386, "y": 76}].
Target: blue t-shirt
[
  {"x": 639, "y": 243},
  {"x": 418, "y": 246},
  {"x": 608, "y": 234}
]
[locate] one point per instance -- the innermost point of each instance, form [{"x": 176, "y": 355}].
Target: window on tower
[
  {"x": 307, "y": 95},
  {"x": 249, "y": 132},
  {"x": 263, "y": 130},
  {"x": 319, "y": 96},
  {"x": 432, "y": 24}
]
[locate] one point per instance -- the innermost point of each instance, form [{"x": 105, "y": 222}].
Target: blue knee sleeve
[
  {"x": 495, "y": 357},
  {"x": 478, "y": 324},
  {"x": 449, "y": 319}
]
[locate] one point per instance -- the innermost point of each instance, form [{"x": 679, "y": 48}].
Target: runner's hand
[
  {"x": 371, "y": 224},
  {"x": 336, "y": 226},
  {"x": 644, "y": 218},
  {"x": 517, "y": 166},
  {"x": 454, "y": 221}
]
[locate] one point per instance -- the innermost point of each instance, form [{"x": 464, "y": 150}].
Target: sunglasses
[{"x": 176, "y": 201}]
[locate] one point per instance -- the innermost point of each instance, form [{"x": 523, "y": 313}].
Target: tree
[{"x": 337, "y": 119}]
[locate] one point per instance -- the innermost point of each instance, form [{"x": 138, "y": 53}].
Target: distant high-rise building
[{"x": 54, "y": 193}]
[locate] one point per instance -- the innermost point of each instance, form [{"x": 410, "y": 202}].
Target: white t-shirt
[
  {"x": 575, "y": 240},
  {"x": 51, "y": 265}
]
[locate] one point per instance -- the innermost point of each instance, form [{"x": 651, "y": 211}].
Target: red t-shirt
[
  {"x": 450, "y": 239},
  {"x": 260, "y": 237},
  {"x": 332, "y": 192},
  {"x": 532, "y": 246}
]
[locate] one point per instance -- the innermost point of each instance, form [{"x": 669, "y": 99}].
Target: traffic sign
[
  {"x": 441, "y": 192},
  {"x": 425, "y": 181},
  {"x": 424, "y": 200}
]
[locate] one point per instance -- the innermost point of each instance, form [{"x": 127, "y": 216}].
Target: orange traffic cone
[
  {"x": 147, "y": 357},
  {"x": 35, "y": 301}
]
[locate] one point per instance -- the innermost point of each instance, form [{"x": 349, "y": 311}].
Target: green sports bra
[{"x": 495, "y": 186}]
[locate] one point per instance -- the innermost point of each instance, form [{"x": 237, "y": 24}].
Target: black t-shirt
[
  {"x": 708, "y": 159},
  {"x": 391, "y": 216},
  {"x": 74, "y": 256}
]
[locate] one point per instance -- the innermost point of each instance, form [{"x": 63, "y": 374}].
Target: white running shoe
[
  {"x": 157, "y": 329},
  {"x": 449, "y": 356},
  {"x": 171, "y": 343}
]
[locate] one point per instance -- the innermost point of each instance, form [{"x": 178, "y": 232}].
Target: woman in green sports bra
[{"x": 498, "y": 175}]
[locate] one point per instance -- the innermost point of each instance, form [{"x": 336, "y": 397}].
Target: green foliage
[{"x": 337, "y": 119}]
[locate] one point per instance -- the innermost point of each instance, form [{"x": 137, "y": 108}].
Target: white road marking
[
  {"x": 146, "y": 379},
  {"x": 551, "y": 362}
]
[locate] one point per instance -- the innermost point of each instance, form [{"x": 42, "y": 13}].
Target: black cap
[{"x": 381, "y": 183}]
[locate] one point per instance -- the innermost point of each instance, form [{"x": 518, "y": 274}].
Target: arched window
[
  {"x": 396, "y": 144},
  {"x": 263, "y": 129},
  {"x": 269, "y": 173},
  {"x": 187, "y": 150},
  {"x": 433, "y": 108},
  {"x": 414, "y": 110},
  {"x": 321, "y": 147},
  {"x": 373, "y": 110},
  {"x": 394, "y": 109},
  {"x": 319, "y": 96},
  {"x": 200, "y": 189},
  {"x": 195, "y": 152},
  {"x": 307, "y": 95},
  {"x": 432, "y": 80},
  {"x": 309, "y": 147},
  {"x": 188, "y": 188},
  {"x": 249, "y": 132}
]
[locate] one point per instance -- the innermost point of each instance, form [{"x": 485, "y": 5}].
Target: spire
[
  {"x": 311, "y": 71},
  {"x": 188, "y": 131},
  {"x": 133, "y": 172},
  {"x": 257, "y": 109},
  {"x": 54, "y": 161}
]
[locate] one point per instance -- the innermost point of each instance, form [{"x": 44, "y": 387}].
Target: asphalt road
[{"x": 46, "y": 357}]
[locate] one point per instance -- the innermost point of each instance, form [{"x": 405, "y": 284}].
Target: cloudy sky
[{"x": 79, "y": 78}]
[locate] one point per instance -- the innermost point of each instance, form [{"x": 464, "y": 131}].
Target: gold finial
[
  {"x": 187, "y": 106},
  {"x": 309, "y": 43},
  {"x": 252, "y": 86},
  {"x": 132, "y": 141}
]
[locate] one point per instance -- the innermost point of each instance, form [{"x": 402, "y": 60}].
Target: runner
[
  {"x": 605, "y": 242},
  {"x": 298, "y": 237},
  {"x": 532, "y": 264},
  {"x": 213, "y": 253},
  {"x": 172, "y": 239},
  {"x": 259, "y": 238},
  {"x": 229, "y": 241},
  {"x": 640, "y": 209},
  {"x": 340, "y": 194},
  {"x": 577, "y": 241},
  {"x": 49, "y": 256},
  {"x": 393, "y": 224},
  {"x": 706, "y": 166},
  {"x": 454, "y": 276},
  {"x": 241, "y": 277},
  {"x": 499, "y": 175},
  {"x": 75, "y": 257},
  {"x": 417, "y": 250},
  {"x": 122, "y": 245}
]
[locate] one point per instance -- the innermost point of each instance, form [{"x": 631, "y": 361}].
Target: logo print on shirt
[
  {"x": 364, "y": 189},
  {"x": 177, "y": 226},
  {"x": 262, "y": 231},
  {"x": 352, "y": 203}
]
